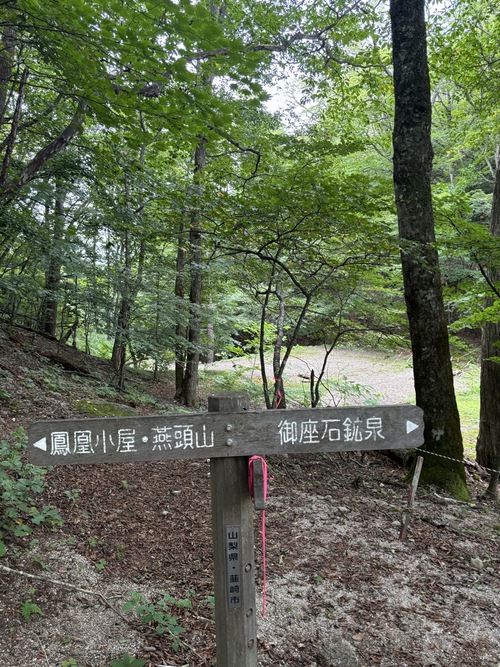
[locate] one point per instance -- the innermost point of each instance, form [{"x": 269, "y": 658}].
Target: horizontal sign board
[{"x": 217, "y": 434}]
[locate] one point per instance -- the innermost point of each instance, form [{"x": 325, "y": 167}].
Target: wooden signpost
[{"x": 228, "y": 434}]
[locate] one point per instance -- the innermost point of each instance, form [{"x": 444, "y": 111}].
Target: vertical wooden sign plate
[{"x": 233, "y": 566}]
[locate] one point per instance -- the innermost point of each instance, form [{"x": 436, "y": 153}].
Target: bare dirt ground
[
  {"x": 342, "y": 589},
  {"x": 386, "y": 378}
]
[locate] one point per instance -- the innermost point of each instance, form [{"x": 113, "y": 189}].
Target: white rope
[{"x": 449, "y": 458}]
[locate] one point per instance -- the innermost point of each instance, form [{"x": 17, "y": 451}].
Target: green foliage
[
  {"x": 29, "y": 608},
  {"x": 119, "y": 552},
  {"x": 93, "y": 542},
  {"x": 159, "y": 614},
  {"x": 250, "y": 335},
  {"x": 237, "y": 378},
  {"x": 477, "y": 319},
  {"x": 337, "y": 391},
  {"x": 72, "y": 495},
  {"x": 19, "y": 483},
  {"x": 468, "y": 406}
]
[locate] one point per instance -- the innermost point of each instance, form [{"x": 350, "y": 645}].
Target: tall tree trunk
[
  {"x": 7, "y": 54},
  {"x": 53, "y": 272},
  {"x": 129, "y": 290},
  {"x": 190, "y": 381},
  {"x": 279, "y": 399},
  {"x": 180, "y": 327},
  {"x": 488, "y": 441},
  {"x": 14, "y": 128},
  {"x": 413, "y": 155},
  {"x": 189, "y": 390},
  {"x": 118, "y": 356}
]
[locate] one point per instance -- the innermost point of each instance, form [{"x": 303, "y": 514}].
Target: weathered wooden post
[{"x": 233, "y": 545}]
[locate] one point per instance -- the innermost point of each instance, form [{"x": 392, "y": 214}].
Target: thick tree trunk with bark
[
  {"x": 422, "y": 280},
  {"x": 488, "y": 441}
]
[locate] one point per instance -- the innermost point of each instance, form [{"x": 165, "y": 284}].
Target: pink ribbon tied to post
[{"x": 257, "y": 486}]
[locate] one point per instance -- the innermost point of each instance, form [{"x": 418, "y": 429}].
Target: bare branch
[{"x": 236, "y": 144}]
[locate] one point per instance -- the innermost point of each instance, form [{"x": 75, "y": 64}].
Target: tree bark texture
[
  {"x": 190, "y": 381},
  {"x": 118, "y": 356},
  {"x": 180, "y": 327},
  {"x": 488, "y": 441},
  {"x": 7, "y": 55},
  {"x": 279, "y": 399},
  {"x": 53, "y": 272},
  {"x": 413, "y": 156}
]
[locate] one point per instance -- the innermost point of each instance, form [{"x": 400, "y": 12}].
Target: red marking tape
[{"x": 251, "y": 461}]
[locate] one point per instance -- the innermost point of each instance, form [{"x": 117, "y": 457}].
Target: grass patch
[{"x": 468, "y": 407}]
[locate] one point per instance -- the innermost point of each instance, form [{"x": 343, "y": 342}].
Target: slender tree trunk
[
  {"x": 53, "y": 272},
  {"x": 422, "y": 280},
  {"x": 189, "y": 389},
  {"x": 119, "y": 353},
  {"x": 129, "y": 290},
  {"x": 279, "y": 399},
  {"x": 262, "y": 343},
  {"x": 180, "y": 327},
  {"x": 7, "y": 53},
  {"x": 190, "y": 381},
  {"x": 14, "y": 128},
  {"x": 488, "y": 441}
]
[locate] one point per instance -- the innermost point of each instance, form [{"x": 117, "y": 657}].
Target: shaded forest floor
[{"x": 342, "y": 591}]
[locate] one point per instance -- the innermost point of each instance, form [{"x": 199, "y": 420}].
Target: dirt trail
[{"x": 381, "y": 376}]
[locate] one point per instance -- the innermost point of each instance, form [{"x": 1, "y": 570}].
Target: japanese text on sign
[
  {"x": 124, "y": 441},
  {"x": 233, "y": 566},
  {"x": 314, "y": 431}
]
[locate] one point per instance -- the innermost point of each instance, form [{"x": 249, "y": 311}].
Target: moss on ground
[{"x": 104, "y": 409}]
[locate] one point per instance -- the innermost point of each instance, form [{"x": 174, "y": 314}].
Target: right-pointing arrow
[{"x": 410, "y": 426}]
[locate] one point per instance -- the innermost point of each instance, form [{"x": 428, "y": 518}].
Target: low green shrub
[
  {"x": 159, "y": 614},
  {"x": 20, "y": 481}
]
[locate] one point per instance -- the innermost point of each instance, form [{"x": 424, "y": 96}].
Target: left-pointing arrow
[{"x": 41, "y": 444}]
